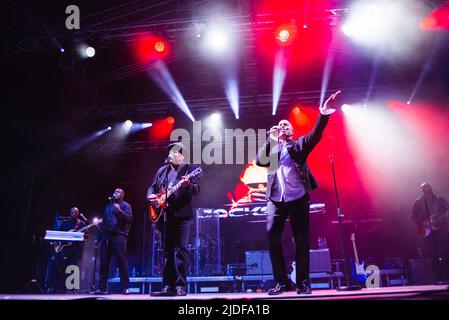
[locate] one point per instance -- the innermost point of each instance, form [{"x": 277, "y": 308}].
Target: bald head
[
  {"x": 426, "y": 189},
  {"x": 118, "y": 194}
]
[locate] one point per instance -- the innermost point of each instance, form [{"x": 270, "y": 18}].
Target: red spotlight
[
  {"x": 437, "y": 19},
  {"x": 170, "y": 120},
  {"x": 161, "y": 128},
  {"x": 150, "y": 47},
  {"x": 285, "y": 34},
  {"x": 296, "y": 110}
]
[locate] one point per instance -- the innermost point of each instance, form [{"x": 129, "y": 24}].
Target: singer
[
  {"x": 177, "y": 220},
  {"x": 113, "y": 238},
  {"x": 288, "y": 187}
]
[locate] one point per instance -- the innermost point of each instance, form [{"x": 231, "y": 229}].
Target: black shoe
[
  {"x": 101, "y": 292},
  {"x": 125, "y": 291},
  {"x": 304, "y": 287},
  {"x": 181, "y": 291},
  {"x": 279, "y": 289},
  {"x": 167, "y": 291}
]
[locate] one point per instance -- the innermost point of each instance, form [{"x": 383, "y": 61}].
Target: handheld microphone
[
  {"x": 110, "y": 198},
  {"x": 169, "y": 159},
  {"x": 84, "y": 218}
]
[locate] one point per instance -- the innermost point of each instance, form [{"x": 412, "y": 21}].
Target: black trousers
[
  {"x": 113, "y": 245},
  {"x": 298, "y": 212},
  {"x": 437, "y": 249},
  {"x": 175, "y": 235}
]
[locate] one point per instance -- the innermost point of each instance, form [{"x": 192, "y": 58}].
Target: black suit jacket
[
  {"x": 298, "y": 150},
  {"x": 180, "y": 203}
]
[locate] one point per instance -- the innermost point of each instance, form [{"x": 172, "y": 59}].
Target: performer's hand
[
  {"x": 328, "y": 106},
  {"x": 274, "y": 132},
  {"x": 185, "y": 182},
  {"x": 151, "y": 197},
  {"x": 117, "y": 206}
]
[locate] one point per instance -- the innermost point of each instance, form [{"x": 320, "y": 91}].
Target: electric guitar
[
  {"x": 357, "y": 269},
  {"x": 59, "y": 245},
  {"x": 426, "y": 227},
  {"x": 160, "y": 202}
]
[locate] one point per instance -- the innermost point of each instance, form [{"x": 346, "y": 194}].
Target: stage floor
[{"x": 395, "y": 293}]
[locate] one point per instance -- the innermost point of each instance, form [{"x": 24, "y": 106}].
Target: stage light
[
  {"x": 149, "y": 48},
  {"x": 217, "y": 39},
  {"x": 345, "y": 107},
  {"x": 146, "y": 125},
  {"x": 127, "y": 124},
  {"x": 159, "y": 46},
  {"x": 279, "y": 73},
  {"x": 409, "y": 102},
  {"x": 232, "y": 93},
  {"x": 283, "y": 35},
  {"x": 383, "y": 24},
  {"x": 90, "y": 52},
  {"x": 296, "y": 111},
  {"x": 163, "y": 78},
  {"x": 214, "y": 120},
  {"x": 61, "y": 50},
  {"x": 109, "y": 128},
  {"x": 170, "y": 120}
]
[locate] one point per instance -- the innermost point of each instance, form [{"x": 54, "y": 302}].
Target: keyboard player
[{"x": 63, "y": 253}]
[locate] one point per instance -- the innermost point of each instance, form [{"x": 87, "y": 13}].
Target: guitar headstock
[
  {"x": 352, "y": 237},
  {"x": 96, "y": 221},
  {"x": 196, "y": 173}
]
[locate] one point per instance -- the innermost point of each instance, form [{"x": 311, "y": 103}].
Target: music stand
[{"x": 349, "y": 286}]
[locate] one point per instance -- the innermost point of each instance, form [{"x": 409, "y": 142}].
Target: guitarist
[
  {"x": 177, "y": 218},
  {"x": 69, "y": 255},
  {"x": 436, "y": 231}
]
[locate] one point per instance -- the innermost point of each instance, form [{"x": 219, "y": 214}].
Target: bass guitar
[
  {"x": 357, "y": 269},
  {"x": 160, "y": 202}
]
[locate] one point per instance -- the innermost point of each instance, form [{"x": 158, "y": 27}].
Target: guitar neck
[
  {"x": 178, "y": 185},
  {"x": 355, "y": 252}
]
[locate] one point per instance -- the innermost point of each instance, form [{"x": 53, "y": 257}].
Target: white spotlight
[
  {"x": 109, "y": 128},
  {"x": 90, "y": 52},
  {"x": 146, "y": 125},
  {"x": 217, "y": 39},
  {"x": 214, "y": 120},
  {"x": 127, "y": 124},
  {"x": 345, "y": 107}
]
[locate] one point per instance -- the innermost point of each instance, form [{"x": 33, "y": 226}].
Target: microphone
[
  {"x": 110, "y": 198},
  {"x": 169, "y": 159},
  {"x": 269, "y": 131},
  {"x": 84, "y": 218}
]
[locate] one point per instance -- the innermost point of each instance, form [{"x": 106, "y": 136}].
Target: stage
[{"x": 424, "y": 292}]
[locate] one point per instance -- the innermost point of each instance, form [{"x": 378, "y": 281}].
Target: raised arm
[{"x": 314, "y": 136}]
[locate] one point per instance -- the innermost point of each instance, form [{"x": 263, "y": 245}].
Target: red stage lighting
[
  {"x": 296, "y": 110},
  {"x": 150, "y": 47},
  {"x": 170, "y": 120},
  {"x": 285, "y": 34},
  {"x": 437, "y": 19}
]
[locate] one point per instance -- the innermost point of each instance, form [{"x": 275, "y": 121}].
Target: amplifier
[
  {"x": 258, "y": 262},
  {"x": 320, "y": 260}
]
